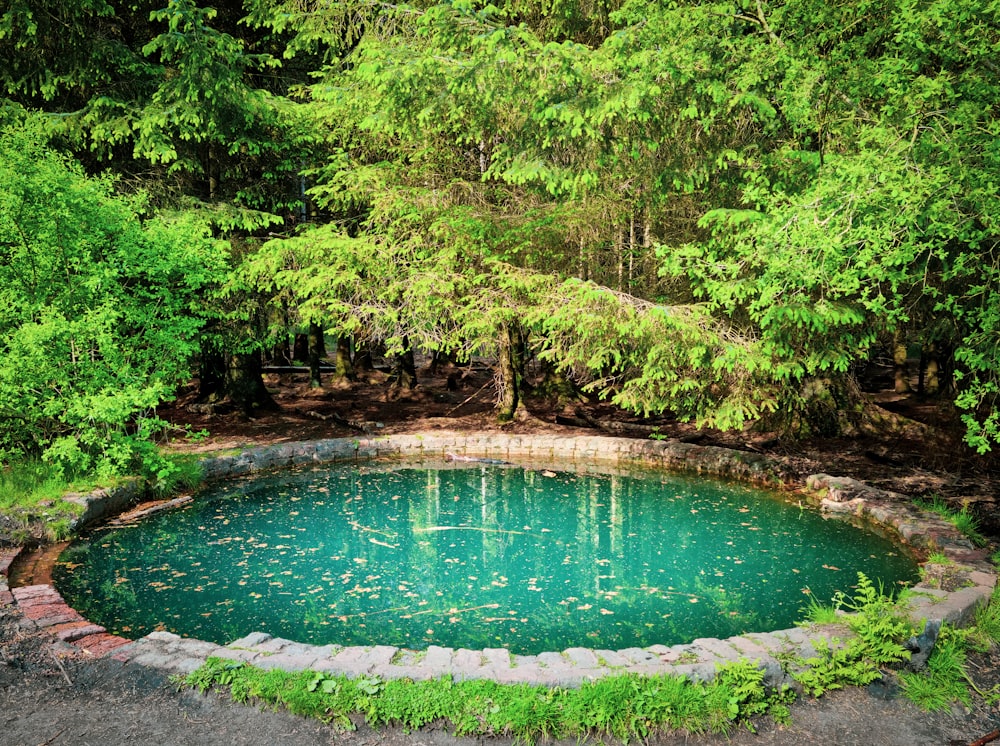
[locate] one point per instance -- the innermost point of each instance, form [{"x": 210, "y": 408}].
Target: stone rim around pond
[{"x": 922, "y": 531}]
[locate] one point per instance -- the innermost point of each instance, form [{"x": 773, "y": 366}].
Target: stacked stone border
[{"x": 975, "y": 577}]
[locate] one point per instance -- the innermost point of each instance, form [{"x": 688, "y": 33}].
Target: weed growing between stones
[
  {"x": 963, "y": 519},
  {"x": 817, "y": 612}
]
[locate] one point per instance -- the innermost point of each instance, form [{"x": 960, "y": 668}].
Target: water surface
[{"x": 483, "y": 556}]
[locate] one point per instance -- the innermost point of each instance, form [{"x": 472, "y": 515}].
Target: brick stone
[
  {"x": 7, "y": 557},
  {"x": 30, "y": 593},
  {"x": 51, "y": 615},
  {"x": 101, "y": 644},
  {"x": 72, "y": 631}
]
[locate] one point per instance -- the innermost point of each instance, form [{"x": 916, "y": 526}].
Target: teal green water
[{"x": 488, "y": 556}]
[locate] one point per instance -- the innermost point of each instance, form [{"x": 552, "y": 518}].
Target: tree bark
[
  {"x": 316, "y": 351},
  {"x": 363, "y": 360},
  {"x": 300, "y": 348},
  {"x": 508, "y": 374},
  {"x": 343, "y": 369},
  {"x": 900, "y": 373},
  {"x": 404, "y": 370},
  {"x": 244, "y": 383}
]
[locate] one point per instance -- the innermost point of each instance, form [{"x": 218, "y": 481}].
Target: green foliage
[
  {"x": 31, "y": 496},
  {"x": 987, "y": 624},
  {"x": 98, "y": 310},
  {"x": 696, "y": 207},
  {"x": 945, "y": 681},
  {"x": 624, "y": 707},
  {"x": 879, "y": 628},
  {"x": 963, "y": 519},
  {"x": 816, "y": 612}
]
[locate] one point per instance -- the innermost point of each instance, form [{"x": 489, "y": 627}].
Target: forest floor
[{"x": 75, "y": 700}]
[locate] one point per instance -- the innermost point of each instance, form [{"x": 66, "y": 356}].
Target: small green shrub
[
  {"x": 169, "y": 475},
  {"x": 880, "y": 629},
  {"x": 816, "y": 612}
]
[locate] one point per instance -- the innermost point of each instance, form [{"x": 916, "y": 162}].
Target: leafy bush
[{"x": 98, "y": 310}]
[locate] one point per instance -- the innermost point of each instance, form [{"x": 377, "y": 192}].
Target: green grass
[
  {"x": 624, "y": 707},
  {"x": 816, "y": 612},
  {"x": 32, "y": 492},
  {"x": 963, "y": 519}
]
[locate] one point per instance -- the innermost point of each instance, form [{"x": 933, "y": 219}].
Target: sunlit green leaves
[{"x": 99, "y": 316}]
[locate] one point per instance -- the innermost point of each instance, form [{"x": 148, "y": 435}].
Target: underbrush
[
  {"x": 31, "y": 493},
  {"x": 631, "y": 707}
]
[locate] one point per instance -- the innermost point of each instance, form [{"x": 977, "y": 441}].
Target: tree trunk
[
  {"x": 555, "y": 385},
  {"x": 342, "y": 368},
  {"x": 211, "y": 376},
  {"x": 281, "y": 353},
  {"x": 300, "y": 348},
  {"x": 900, "y": 372},
  {"x": 508, "y": 374},
  {"x": 404, "y": 370},
  {"x": 316, "y": 351},
  {"x": 363, "y": 359},
  {"x": 244, "y": 383}
]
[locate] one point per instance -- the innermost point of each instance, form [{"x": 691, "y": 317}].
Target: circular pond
[{"x": 473, "y": 557}]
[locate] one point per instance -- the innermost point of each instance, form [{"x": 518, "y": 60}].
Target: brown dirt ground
[{"x": 79, "y": 701}]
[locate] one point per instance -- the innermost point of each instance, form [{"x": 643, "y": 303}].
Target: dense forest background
[{"x": 722, "y": 210}]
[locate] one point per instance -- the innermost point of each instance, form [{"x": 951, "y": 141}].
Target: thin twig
[
  {"x": 65, "y": 675},
  {"x": 459, "y": 406},
  {"x": 988, "y": 738}
]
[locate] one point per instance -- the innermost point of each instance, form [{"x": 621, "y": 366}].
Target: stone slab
[
  {"x": 437, "y": 656},
  {"x": 251, "y": 640},
  {"x": 497, "y": 657},
  {"x": 582, "y": 657},
  {"x": 611, "y": 658}
]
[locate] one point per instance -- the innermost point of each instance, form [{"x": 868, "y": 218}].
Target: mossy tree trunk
[
  {"x": 343, "y": 368},
  {"x": 244, "y": 383},
  {"x": 509, "y": 373},
  {"x": 404, "y": 370}
]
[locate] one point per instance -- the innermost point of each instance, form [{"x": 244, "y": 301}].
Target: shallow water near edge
[{"x": 475, "y": 557}]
